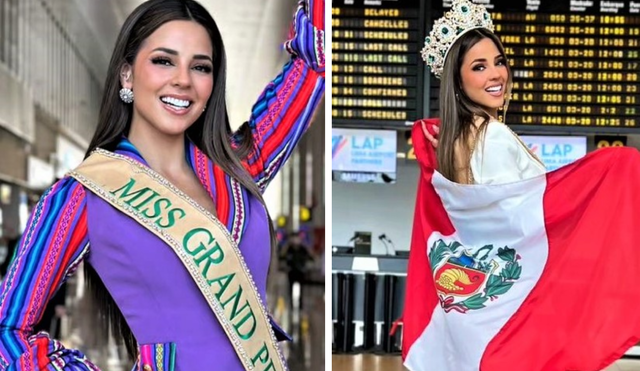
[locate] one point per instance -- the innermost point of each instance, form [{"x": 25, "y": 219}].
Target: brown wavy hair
[{"x": 457, "y": 110}]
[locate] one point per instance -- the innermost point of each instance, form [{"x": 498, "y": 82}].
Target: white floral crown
[{"x": 464, "y": 16}]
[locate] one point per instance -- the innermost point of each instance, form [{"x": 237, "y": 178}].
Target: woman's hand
[{"x": 430, "y": 138}]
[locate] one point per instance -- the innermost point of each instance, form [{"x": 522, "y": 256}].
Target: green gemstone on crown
[{"x": 463, "y": 15}]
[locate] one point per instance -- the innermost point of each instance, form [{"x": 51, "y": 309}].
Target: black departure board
[
  {"x": 574, "y": 62},
  {"x": 377, "y": 71}
]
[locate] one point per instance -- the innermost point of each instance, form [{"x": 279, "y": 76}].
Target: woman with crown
[
  {"x": 474, "y": 144},
  {"x": 512, "y": 267}
]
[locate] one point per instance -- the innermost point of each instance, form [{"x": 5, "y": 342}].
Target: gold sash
[{"x": 201, "y": 242}]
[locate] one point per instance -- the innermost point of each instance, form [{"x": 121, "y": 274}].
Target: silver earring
[{"x": 126, "y": 95}]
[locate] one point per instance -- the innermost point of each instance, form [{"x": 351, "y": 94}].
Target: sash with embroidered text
[{"x": 199, "y": 240}]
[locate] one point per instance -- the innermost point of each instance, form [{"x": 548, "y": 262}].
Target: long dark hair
[
  {"x": 457, "y": 110},
  {"x": 211, "y": 132}
]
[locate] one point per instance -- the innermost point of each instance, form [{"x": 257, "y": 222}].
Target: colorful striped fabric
[
  {"x": 157, "y": 357},
  {"x": 55, "y": 240},
  {"x": 285, "y": 108}
]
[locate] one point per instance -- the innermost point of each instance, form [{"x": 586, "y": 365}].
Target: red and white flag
[{"x": 537, "y": 275}]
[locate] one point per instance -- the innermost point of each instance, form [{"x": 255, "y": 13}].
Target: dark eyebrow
[
  {"x": 173, "y": 52},
  {"x": 484, "y": 60}
]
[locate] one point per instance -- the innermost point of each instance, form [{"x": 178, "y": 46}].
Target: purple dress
[{"x": 155, "y": 292}]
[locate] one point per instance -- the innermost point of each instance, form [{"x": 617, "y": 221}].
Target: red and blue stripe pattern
[
  {"x": 307, "y": 34},
  {"x": 54, "y": 242},
  {"x": 285, "y": 108},
  {"x": 227, "y": 194}
]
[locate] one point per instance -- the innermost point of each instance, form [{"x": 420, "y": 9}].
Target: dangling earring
[
  {"x": 457, "y": 96},
  {"x": 126, "y": 95}
]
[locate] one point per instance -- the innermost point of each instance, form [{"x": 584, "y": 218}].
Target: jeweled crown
[{"x": 463, "y": 17}]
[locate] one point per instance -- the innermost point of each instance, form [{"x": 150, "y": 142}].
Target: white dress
[{"x": 500, "y": 157}]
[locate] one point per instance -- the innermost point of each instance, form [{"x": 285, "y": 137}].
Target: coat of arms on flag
[
  {"x": 530, "y": 275},
  {"x": 466, "y": 280}
]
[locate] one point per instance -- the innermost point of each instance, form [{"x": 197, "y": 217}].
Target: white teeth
[
  {"x": 176, "y": 102},
  {"x": 494, "y": 88}
]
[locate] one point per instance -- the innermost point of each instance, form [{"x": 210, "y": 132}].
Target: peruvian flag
[{"x": 537, "y": 275}]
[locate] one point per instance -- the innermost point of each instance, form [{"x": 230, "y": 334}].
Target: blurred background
[
  {"x": 576, "y": 89},
  {"x": 53, "y": 60}
]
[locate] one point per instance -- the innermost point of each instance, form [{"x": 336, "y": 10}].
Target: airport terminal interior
[
  {"x": 53, "y": 63},
  {"x": 575, "y": 77}
]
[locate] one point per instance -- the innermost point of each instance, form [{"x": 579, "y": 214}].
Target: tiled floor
[
  {"x": 626, "y": 365},
  {"x": 392, "y": 363}
]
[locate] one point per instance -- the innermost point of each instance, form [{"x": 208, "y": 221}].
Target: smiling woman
[
  {"x": 474, "y": 144},
  {"x": 173, "y": 70},
  {"x": 166, "y": 211}
]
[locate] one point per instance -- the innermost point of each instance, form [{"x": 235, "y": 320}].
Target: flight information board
[
  {"x": 377, "y": 72},
  {"x": 574, "y": 62}
]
